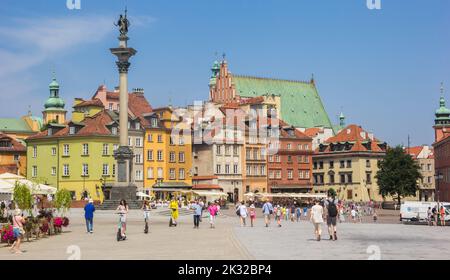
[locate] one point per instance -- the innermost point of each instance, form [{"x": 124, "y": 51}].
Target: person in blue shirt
[
  {"x": 89, "y": 210},
  {"x": 197, "y": 213},
  {"x": 267, "y": 211}
]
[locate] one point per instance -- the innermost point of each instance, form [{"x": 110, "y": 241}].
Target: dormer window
[
  {"x": 154, "y": 122},
  {"x": 114, "y": 130},
  {"x": 50, "y": 132},
  {"x": 72, "y": 130},
  {"x": 138, "y": 125}
]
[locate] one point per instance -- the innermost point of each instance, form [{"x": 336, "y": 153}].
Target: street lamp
[{"x": 438, "y": 178}]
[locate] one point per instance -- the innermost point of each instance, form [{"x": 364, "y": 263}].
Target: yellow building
[
  {"x": 348, "y": 163},
  {"x": 168, "y": 154}
]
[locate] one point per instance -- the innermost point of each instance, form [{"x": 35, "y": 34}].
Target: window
[
  {"x": 138, "y": 142},
  {"x": 368, "y": 163},
  {"x": 249, "y": 170},
  {"x": 66, "y": 170},
  {"x": 138, "y": 175},
  {"x": 160, "y": 138},
  {"x": 34, "y": 151},
  {"x": 150, "y": 155},
  {"x": 115, "y": 147},
  {"x": 430, "y": 179},
  {"x": 271, "y": 174},
  {"x": 34, "y": 171},
  {"x": 277, "y": 158},
  {"x": 320, "y": 164},
  {"x": 235, "y": 169},
  {"x": 130, "y": 141},
  {"x": 306, "y": 147},
  {"x": 66, "y": 150},
  {"x": 349, "y": 178},
  {"x": 53, "y": 151},
  {"x": 331, "y": 164},
  {"x": 315, "y": 165},
  {"x": 290, "y": 174},
  {"x": 255, "y": 154},
  {"x": 117, "y": 107},
  {"x": 181, "y": 174},
  {"x": 110, "y": 106},
  {"x": 306, "y": 174},
  {"x": 181, "y": 157},
  {"x": 85, "y": 149},
  {"x": 105, "y": 149},
  {"x": 289, "y": 146},
  {"x": 154, "y": 122},
  {"x": 218, "y": 150},
  {"x": 247, "y": 153},
  {"x": 349, "y": 163},
  {"x": 195, "y": 171},
  {"x": 218, "y": 169},
  {"x": 181, "y": 141},
  {"x": 331, "y": 178},
  {"x": 255, "y": 170},
  {"x": 138, "y": 158},
  {"x": 150, "y": 173},
  {"x": 160, "y": 173},
  {"x": 150, "y": 137},
  {"x": 171, "y": 140},
  {"x": 114, "y": 170},
  {"x": 342, "y": 178},
  {"x": 270, "y": 158},
  {"x": 278, "y": 174},
  {"x": 137, "y": 125},
  {"x": 172, "y": 157},
  {"x": 342, "y": 164},
  {"x": 172, "y": 174},
  {"x": 299, "y": 147},
  {"x": 227, "y": 169},
  {"x": 72, "y": 130},
  {"x": 301, "y": 174},
  {"x": 227, "y": 150},
  {"x": 369, "y": 178},
  {"x": 129, "y": 125},
  {"x": 263, "y": 170},
  {"x": 105, "y": 169},
  {"x": 235, "y": 150},
  {"x": 114, "y": 130},
  {"x": 429, "y": 167},
  {"x": 53, "y": 171},
  {"x": 289, "y": 159},
  {"x": 306, "y": 159},
  {"x": 85, "y": 170},
  {"x": 160, "y": 155}
]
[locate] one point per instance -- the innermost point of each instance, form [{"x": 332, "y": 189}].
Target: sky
[{"x": 382, "y": 68}]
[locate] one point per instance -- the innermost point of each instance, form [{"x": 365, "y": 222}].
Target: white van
[{"x": 417, "y": 210}]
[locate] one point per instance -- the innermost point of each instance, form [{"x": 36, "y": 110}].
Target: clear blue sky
[{"x": 383, "y": 67}]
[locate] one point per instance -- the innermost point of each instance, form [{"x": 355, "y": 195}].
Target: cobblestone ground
[{"x": 230, "y": 241}]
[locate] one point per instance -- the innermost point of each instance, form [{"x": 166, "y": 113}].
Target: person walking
[
  {"x": 305, "y": 211},
  {"x": 278, "y": 215},
  {"x": 173, "y": 206},
  {"x": 243, "y": 213},
  {"x": 89, "y": 210},
  {"x": 252, "y": 214},
  {"x": 332, "y": 213},
  {"x": 197, "y": 213},
  {"x": 429, "y": 217},
  {"x": 267, "y": 210},
  {"x": 18, "y": 231},
  {"x": 292, "y": 212},
  {"x": 202, "y": 205},
  {"x": 298, "y": 213},
  {"x": 317, "y": 219},
  {"x": 212, "y": 210},
  {"x": 434, "y": 216},
  {"x": 442, "y": 214},
  {"x": 353, "y": 214},
  {"x": 146, "y": 209},
  {"x": 122, "y": 209}
]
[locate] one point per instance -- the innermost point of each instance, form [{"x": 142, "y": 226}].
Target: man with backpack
[
  {"x": 267, "y": 210},
  {"x": 332, "y": 210}
]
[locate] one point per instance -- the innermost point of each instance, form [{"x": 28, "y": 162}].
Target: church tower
[
  {"x": 54, "y": 106},
  {"x": 442, "y": 121}
]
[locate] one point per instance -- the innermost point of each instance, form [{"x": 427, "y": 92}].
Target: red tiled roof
[
  {"x": 112, "y": 95},
  {"x": 414, "y": 151},
  {"x": 95, "y": 125},
  {"x": 313, "y": 131},
  {"x": 92, "y": 102},
  {"x": 252, "y": 100},
  {"x": 138, "y": 105},
  {"x": 206, "y": 187},
  {"x": 356, "y": 135},
  {"x": 11, "y": 168},
  {"x": 16, "y": 146}
]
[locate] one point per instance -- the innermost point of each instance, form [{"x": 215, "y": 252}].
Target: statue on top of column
[{"x": 123, "y": 23}]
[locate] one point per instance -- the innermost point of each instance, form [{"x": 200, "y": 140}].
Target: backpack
[{"x": 332, "y": 210}]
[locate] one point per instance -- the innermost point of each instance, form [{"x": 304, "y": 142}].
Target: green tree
[
  {"x": 332, "y": 192},
  {"x": 398, "y": 174},
  {"x": 22, "y": 197},
  {"x": 63, "y": 200}
]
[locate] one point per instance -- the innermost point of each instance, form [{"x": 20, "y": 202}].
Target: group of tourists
[{"x": 435, "y": 215}]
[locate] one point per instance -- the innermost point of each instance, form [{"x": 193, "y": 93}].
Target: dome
[
  {"x": 54, "y": 84},
  {"x": 54, "y": 102},
  {"x": 442, "y": 109},
  {"x": 216, "y": 65}
]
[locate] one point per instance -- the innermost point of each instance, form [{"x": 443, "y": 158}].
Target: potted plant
[
  {"x": 62, "y": 202},
  {"x": 7, "y": 234}
]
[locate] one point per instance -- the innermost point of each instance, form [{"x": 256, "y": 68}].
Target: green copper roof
[
  {"x": 442, "y": 109},
  {"x": 54, "y": 84},
  {"x": 301, "y": 105},
  {"x": 54, "y": 103},
  {"x": 14, "y": 125}
]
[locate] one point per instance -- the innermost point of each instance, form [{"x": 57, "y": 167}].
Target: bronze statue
[{"x": 123, "y": 23}]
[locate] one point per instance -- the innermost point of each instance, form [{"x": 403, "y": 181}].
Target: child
[{"x": 252, "y": 214}]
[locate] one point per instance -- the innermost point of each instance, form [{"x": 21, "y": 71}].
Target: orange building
[{"x": 13, "y": 156}]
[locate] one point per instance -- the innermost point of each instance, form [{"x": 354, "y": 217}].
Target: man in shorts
[{"x": 332, "y": 212}]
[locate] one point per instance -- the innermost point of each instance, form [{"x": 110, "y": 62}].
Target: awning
[
  {"x": 141, "y": 194},
  {"x": 291, "y": 187},
  {"x": 170, "y": 190},
  {"x": 210, "y": 193}
]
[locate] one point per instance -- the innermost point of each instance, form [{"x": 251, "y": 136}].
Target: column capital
[{"x": 123, "y": 66}]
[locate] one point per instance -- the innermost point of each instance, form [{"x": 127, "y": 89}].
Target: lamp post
[{"x": 438, "y": 178}]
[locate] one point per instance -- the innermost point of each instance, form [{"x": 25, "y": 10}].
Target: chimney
[{"x": 138, "y": 91}]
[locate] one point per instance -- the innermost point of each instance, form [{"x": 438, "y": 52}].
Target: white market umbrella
[
  {"x": 6, "y": 187},
  {"x": 10, "y": 176},
  {"x": 141, "y": 194}
]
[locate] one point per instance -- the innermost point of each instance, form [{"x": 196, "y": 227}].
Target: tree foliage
[
  {"x": 62, "y": 200},
  {"x": 398, "y": 174},
  {"x": 22, "y": 196},
  {"x": 332, "y": 192}
]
